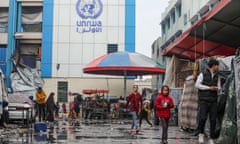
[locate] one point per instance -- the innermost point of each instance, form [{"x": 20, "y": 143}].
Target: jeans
[{"x": 134, "y": 120}]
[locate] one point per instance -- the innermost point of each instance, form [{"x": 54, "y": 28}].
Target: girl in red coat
[{"x": 163, "y": 104}]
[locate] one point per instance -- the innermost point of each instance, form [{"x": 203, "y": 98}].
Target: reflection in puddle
[
  {"x": 40, "y": 137},
  {"x": 87, "y": 131}
]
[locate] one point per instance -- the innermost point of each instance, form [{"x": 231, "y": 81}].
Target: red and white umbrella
[{"x": 124, "y": 64}]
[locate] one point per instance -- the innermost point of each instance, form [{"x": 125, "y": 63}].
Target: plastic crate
[{"x": 40, "y": 126}]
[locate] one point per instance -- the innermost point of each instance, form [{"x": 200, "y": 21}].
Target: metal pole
[{"x": 125, "y": 83}]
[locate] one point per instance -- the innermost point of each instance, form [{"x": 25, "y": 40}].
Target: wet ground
[{"x": 92, "y": 132}]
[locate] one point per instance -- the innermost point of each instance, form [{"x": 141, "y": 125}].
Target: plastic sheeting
[
  {"x": 25, "y": 79},
  {"x": 176, "y": 71},
  {"x": 224, "y": 64},
  {"x": 32, "y": 15},
  {"x": 170, "y": 72},
  {"x": 236, "y": 64},
  {"x": 3, "y": 19},
  {"x": 3, "y": 90},
  {"x": 230, "y": 133}
]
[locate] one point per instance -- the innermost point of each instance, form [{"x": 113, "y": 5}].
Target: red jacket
[
  {"x": 135, "y": 100},
  {"x": 161, "y": 111}
]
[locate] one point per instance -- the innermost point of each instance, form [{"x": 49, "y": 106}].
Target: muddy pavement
[{"x": 93, "y": 132}]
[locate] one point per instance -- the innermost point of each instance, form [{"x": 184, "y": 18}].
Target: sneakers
[
  {"x": 201, "y": 138},
  {"x": 211, "y": 141},
  {"x": 133, "y": 131}
]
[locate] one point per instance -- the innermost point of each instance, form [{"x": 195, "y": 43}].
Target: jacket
[
  {"x": 135, "y": 100},
  {"x": 41, "y": 97},
  {"x": 208, "y": 95},
  {"x": 161, "y": 111}
]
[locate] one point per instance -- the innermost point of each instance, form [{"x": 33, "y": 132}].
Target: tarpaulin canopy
[{"x": 217, "y": 32}]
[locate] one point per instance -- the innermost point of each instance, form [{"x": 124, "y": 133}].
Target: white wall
[
  {"x": 114, "y": 85},
  {"x": 73, "y": 50}
]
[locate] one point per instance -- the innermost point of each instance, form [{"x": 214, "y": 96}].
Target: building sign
[{"x": 89, "y": 11}]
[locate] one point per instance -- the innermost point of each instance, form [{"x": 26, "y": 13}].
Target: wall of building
[
  {"x": 4, "y": 3},
  {"x": 157, "y": 80},
  {"x": 76, "y": 41},
  {"x": 114, "y": 85},
  {"x": 66, "y": 44},
  {"x": 178, "y": 17},
  {"x": 72, "y": 47},
  {"x": 188, "y": 9}
]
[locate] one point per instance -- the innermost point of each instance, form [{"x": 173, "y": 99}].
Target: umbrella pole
[{"x": 125, "y": 83}]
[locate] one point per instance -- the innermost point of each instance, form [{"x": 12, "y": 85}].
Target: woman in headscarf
[{"x": 50, "y": 108}]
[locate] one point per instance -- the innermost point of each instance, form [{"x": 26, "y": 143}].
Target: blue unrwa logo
[{"x": 89, "y": 8}]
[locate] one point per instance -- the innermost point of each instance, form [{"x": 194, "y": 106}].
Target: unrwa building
[{"x": 58, "y": 38}]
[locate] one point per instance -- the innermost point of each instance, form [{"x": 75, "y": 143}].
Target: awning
[{"x": 217, "y": 33}]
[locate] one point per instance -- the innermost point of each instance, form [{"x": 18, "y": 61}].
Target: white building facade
[
  {"x": 60, "y": 37},
  {"x": 181, "y": 15}
]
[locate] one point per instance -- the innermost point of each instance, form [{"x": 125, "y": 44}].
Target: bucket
[{"x": 40, "y": 126}]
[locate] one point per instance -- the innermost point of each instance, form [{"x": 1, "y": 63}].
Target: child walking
[
  {"x": 135, "y": 100},
  {"x": 163, "y": 104}
]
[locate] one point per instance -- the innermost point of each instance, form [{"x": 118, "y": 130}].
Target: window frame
[{"x": 112, "y": 48}]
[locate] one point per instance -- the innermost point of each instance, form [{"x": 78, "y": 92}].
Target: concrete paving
[{"x": 92, "y": 132}]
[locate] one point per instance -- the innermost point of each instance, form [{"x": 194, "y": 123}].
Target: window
[
  {"x": 168, "y": 23},
  {"x": 29, "y": 54},
  {"x": 32, "y": 19},
  {"x": 158, "y": 53},
  {"x": 173, "y": 17},
  {"x": 163, "y": 59},
  {"x": 179, "y": 10},
  {"x": 163, "y": 77},
  {"x": 62, "y": 91},
  {"x": 185, "y": 19},
  {"x": 163, "y": 29},
  {"x": 3, "y": 19},
  {"x": 153, "y": 49},
  {"x": 112, "y": 48}
]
